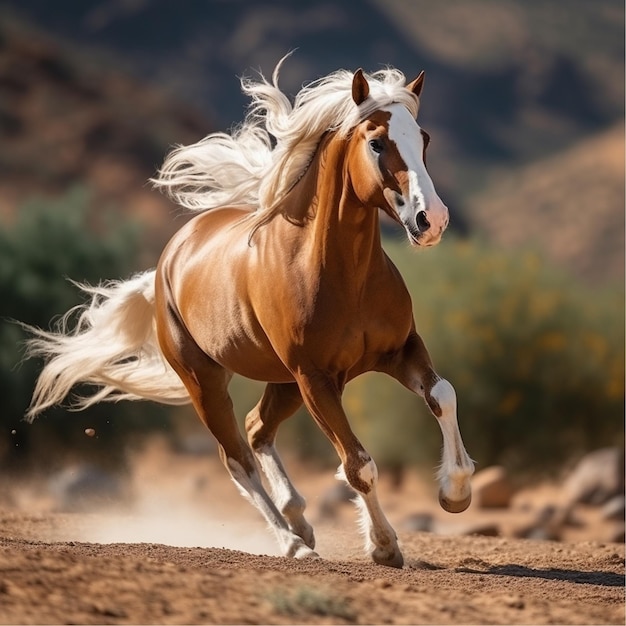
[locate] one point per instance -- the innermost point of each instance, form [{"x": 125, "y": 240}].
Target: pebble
[{"x": 90, "y": 432}]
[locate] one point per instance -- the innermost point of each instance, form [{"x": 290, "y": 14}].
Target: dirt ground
[{"x": 189, "y": 550}]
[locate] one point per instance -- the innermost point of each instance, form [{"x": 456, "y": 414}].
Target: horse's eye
[{"x": 376, "y": 145}]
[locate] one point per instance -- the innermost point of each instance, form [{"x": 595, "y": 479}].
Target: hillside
[
  {"x": 506, "y": 79},
  {"x": 95, "y": 92},
  {"x": 64, "y": 121},
  {"x": 570, "y": 206}
]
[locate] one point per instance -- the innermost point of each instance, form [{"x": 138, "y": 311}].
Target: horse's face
[{"x": 389, "y": 149}]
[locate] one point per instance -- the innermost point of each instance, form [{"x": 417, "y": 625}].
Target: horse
[{"x": 280, "y": 277}]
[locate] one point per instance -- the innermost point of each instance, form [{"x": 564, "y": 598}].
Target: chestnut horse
[{"x": 284, "y": 281}]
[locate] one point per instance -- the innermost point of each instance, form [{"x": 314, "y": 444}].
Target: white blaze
[{"x": 405, "y": 132}]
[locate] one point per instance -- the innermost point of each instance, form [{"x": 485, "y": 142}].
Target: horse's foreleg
[
  {"x": 323, "y": 399},
  {"x": 413, "y": 368},
  {"x": 456, "y": 467},
  {"x": 279, "y": 402}
]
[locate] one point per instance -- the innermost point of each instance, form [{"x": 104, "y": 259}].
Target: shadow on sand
[{"x": 604, "y": 579}]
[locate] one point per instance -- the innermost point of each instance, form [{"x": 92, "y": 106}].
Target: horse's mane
[{"x": 261, "y": 160}]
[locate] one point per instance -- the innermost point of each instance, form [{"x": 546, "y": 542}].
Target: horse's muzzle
[
  {"x": 424, "y": 225},
  {"x": 429, "y": 225}
]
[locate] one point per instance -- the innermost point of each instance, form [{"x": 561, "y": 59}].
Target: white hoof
[{"x": 304, "y": 552}]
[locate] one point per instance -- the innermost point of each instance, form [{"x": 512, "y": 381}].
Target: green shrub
[
  {"x": 49, "y": 242},
  {"x": 536, "y": 358}
]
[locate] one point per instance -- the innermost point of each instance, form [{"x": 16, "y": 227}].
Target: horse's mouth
[{"x": 422, "y": 240}]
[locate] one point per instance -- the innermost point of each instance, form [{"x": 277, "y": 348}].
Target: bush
[
  {"x": 536, "y": 358},
  {"x": 50, "y": 241}
]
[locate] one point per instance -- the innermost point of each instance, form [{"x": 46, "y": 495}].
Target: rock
[
  {"x": 484, "y": 529},
  {"x": 514, "y": 601},
  {"x": 542, "y": 533},
  {"x": 547, "y": 524},
  {"x": 418, "y": 522},
  {"x": 568, "y": 517},
  {"x": 614, "y": 509},
  {"x": 333, "y": 498},
  {"x": 616, "y": 534},
  {"x": 597, "y": 477},
  {"x": 491, "y": 488}
]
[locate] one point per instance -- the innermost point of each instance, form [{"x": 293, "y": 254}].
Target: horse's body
[{"x": 304, "y": 298}]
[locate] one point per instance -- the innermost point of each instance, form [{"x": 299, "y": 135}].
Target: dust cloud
[
  {"x": 166, "y": 497},
  {"x": 163, "y": 521}
]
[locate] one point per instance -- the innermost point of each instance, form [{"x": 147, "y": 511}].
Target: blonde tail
[{"x": 112, "y": 345}]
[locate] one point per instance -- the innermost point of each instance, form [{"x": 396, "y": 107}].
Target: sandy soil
[{"x": 190, "y": 550}]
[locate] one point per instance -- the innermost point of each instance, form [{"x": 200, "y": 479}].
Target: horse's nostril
[{"x": 422, "y": 222}]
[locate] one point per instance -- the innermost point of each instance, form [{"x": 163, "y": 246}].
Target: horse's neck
[{"x": 340, "y": 234}]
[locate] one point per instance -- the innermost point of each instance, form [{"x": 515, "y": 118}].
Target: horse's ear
[
  {"x": 360, "y": 87},
  {"x": 417, "y": 85}
]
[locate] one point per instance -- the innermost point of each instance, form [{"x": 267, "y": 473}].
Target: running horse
[{"x": 281, "y": 277}]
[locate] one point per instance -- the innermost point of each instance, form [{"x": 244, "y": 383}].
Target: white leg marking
[
  {"x": 369, "y": 473},
  {"x": 289, "y": 502},
  {"x": 252, "y": 489},
  {"x": 380, "y": 539},
  {"x": 456, "y": 466}
]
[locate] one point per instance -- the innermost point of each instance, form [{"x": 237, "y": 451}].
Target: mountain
[
  {"x": 496, "y": 71},
  {"x": 64, "y": 121},
  {"x": 511, "y": 87},
  {"x": 570, "y": 206}
]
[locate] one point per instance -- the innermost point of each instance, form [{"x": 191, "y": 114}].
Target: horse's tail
[{"x": 110, "y": 343}]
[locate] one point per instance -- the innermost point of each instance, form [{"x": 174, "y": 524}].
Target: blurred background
[{"x": 522, "y": 305}]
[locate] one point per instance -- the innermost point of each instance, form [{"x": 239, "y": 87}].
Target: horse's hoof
[
  {"x": 453, "y": 506},
  {"x": 382, "y": 557},
  {"x": 304, "y": 552}
]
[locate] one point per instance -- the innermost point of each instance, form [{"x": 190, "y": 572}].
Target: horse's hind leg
[
  {"x": 214, "y": 407},
  {"x": 207, "y": 384},
  {"x": 279, "y": 402}
]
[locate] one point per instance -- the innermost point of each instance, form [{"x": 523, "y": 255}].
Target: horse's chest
[{"x": 350, "y": 337}]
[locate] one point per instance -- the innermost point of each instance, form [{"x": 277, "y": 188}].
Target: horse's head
[{"x": 388, "y": 149}]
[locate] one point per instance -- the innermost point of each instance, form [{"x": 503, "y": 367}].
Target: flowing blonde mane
[{"x": 264, "y": 157}]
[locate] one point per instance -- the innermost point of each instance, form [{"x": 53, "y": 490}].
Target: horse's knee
[
  {"x": 244, "y": 475},
  {"x": 361, "y": 473},
  {"x": 369, "y": 473}
]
